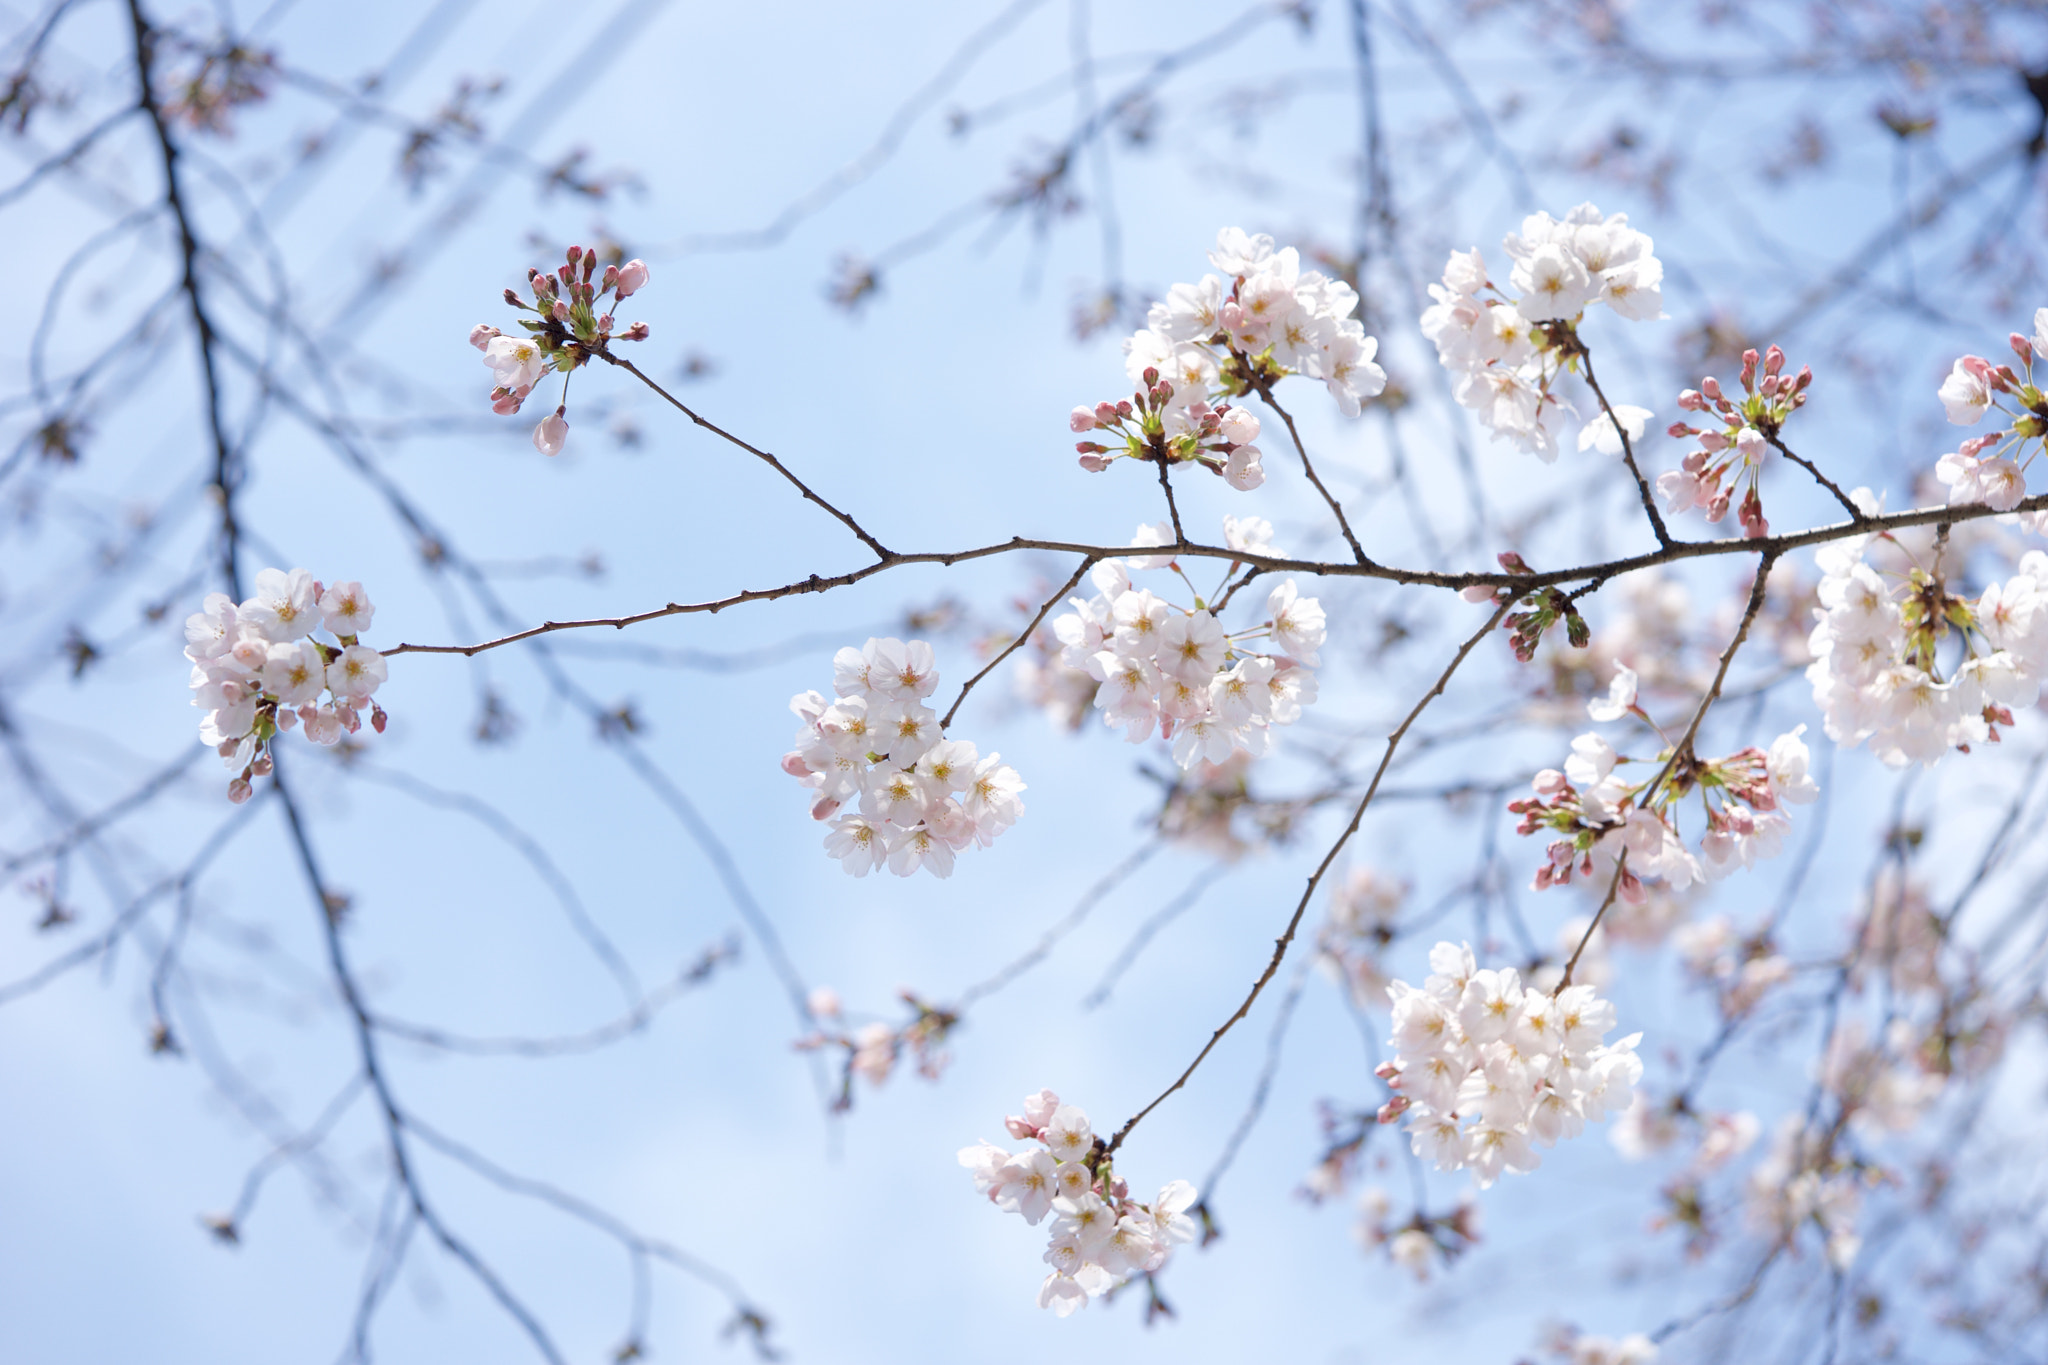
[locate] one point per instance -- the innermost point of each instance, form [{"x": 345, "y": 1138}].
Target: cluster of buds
[
  {"x": 1598, "y": 814},
  {"x": 872, "y": 1050},
  {"x": 1100, "y": 1235},
  {"x": 1734, "y": 452},
  {"x": 1541, "y": 611},
  {"x": 1975, "y": 386},
  {"x": 258, "y": 672},
  {"x": 1153, "y": 427},
  {"x": 566, "y": 331}
]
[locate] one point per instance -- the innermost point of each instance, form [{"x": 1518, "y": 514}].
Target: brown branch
[
  {"x": 202, "y": 321},
  {"x": 1266, "y": 392},
  {"x": 760, "y": 454},
  {"x": 1677, "y": 551},
  {"x": 1855, "y": 513},
  {"x": 1628, "y": 453},
  {"x": 1087, "y": 563},
  {"x": 1683, "y": 748},
  {"x": 1280, "y": 945}
]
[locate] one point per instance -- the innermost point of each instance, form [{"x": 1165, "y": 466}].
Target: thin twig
[
  {"x": 1280, "y": 945},
  {"x": 754, "y": 450},
  {"x": 1023, "y": 636}
]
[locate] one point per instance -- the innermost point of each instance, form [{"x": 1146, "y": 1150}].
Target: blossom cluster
[
  {"x": 921, "y": 796},
  {"x": 1974, "y": 386},
  {"x": 1363, "y": 909},
  {"x": 1485, "y": 1068},
  {"x": 1224, "y": 336},
  {"x": 1100, "y": 1236},
  {"x": 1599, "y": 813},
  {"x": 1734, "y": 450},
  {"x": 566, "y": 330},
  {"x": 258, "y": 671},
  {"x": 1423, "y": 1240},
  {"x": 1175, "y": 669},
  {"x": 1877, "y": 642},
  {"x": 871, "y": 1050},
  {"x": 1509, "y": 351}
]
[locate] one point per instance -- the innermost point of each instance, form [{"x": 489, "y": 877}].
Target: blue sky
[{"x": 939, "y": 414}]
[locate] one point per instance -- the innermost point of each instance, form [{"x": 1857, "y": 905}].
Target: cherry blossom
[
  {"x": 1099, "y": 1235},
  {"x": 1486, "y": 1071},
  {"x": 258, "y": 671},
  {"x": 918, "y": 797},
  {"x": 1222, "y": 338}
]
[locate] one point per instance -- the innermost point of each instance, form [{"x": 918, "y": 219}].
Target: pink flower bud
[
  {"x": 505, "y": 402},
  {"x": 1718, "y": 508},
  {"x": 1769, "y": 385},
  {"x": 1549, "y": 782},
  {"x": 1094, "y": 464},
  {"x": 481, "y": 334},
  {"x": 1774, "y": 360},
  {"x": 2022, "y": 348},
  {"x": 239, "y": 790},
  {"x": 1386, "y": 1071},
  {"x": 1106, "y": 414},
  {"x": 560, "y": 311},
  {"x": 1393, "y": 1108},
  {"x": 632, "y": 278},
  {"x": 551, "y": 433},
  {"x": 1478, "y": 592},
  {"x": 1691, "y": 401},
  {"x": 1082, "y": 419},
  {"x": 825, "y": 807},
  {"x": 1711, "y": 387},
  {"x": 1018, "y": 1128},
  {"x": 1632, "y": 888},
  {"x": 261, "y": 767},
  {"x": 604, "y": 324},
  {"x": 637, "y": 332},
  {"x": 379, "y": 718},
  {"x": 793, "y": 764},
  {"x": 286, "y": 719},
  {"x": 575, "y": 254}
]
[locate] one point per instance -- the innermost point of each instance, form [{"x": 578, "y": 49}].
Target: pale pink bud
[
  {"x": 824, "y": 808},
  {"x": 632, "y": 278},
  {"x": 481, "y": 334},
  {"x": 637, "y": 332},
  {"x": 551, "y": 433},
  {"x": 1632, "y": 885},
  {"x": 1478, "y": 592},
  {"x": 239, "y": 790},
  {"x": 1393, "y": 1108},
  {"x": 1386, "y": 1071},
  {"x": 1711, "y": 388},
  {"x": 793, "y": 764},
  {"x": 1718, "y": 508},
  {"x": 560, "y": 310},
  {"x": 1107, "y": 413},
  {"x": 1094, "y": 464},
  {"x": 286, "y": 719},
  {"x": 261, "y": 767},
  {"x": 1774, "y": 360},
  {"x": 1549, "y": 782},
  {"x": 505, "y": 402},
  {"x": 604, "y": 324},
  {"x": 1018, "y": 1128},
  {"x": 1081, "y": 419},
  {"x": 2023, "y": 348},
  {"x": 1691, "y": 401},
  {"x": 575, "y": 254},
  {"x": 378, "y": 717}
]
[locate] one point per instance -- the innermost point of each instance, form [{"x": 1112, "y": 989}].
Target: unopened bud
[
  {"x": 560, "y": 310},
  {"x": 378, "y": 718},
  {"x": 2022, "y": 348},
  {"x": 239, "y": 790},
  {"x": 1083, "y": 419},
  {"x": 575, "y": 254},
  {"x": 1151, "y": 376},
  {"x": 1774, "y": 360},
  {"x": 1691, "y": 401},
  {"x": 261, "y": 767},
  {"x": 1386, "y": 1071},
  {"x": 1093, "y": 463},
  {"x": 1711, "y": 387},
  {"x": 1393, "y": 1108},
  {"x": 637, "y": 332}
]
